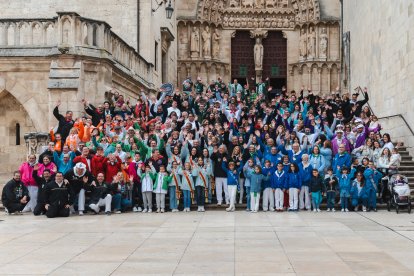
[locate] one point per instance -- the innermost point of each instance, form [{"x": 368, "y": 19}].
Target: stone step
[{"x": 407, "y": 161}]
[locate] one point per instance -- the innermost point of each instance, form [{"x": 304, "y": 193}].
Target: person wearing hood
[{"x": 79, "y": 178}]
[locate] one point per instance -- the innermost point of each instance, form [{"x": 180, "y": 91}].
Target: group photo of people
[{"x": 203, "y": 144}]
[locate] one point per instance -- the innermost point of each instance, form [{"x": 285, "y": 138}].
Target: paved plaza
[{"x": 211, "y": 243}]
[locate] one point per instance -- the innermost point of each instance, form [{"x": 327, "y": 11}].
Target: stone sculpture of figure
[
  {"x": 206, "y": 35},
  {"x": 258, "y": 54},
  {"x": 323, "y": 43},
  {"x": 302, "y": 44},
  {"x": 216, "y": 43},
  {"x": 234, "y": 3},
  {"x": 32, "y": 145},
  {"x": 259, "y": 4},
  {"x": 311, "y": 43},
  {"x": 195, "y": 42},
  {"x": 286, "y": 22}
]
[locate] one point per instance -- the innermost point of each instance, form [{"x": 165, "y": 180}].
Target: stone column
[
  {"x": 3, "y": 34},
  {"x": 320, "y": 79}
]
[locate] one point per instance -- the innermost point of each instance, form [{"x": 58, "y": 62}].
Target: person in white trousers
[
  {"x": 305, "y": 170},
  {"x": 279, "y": 184},
  {"x": 221, "y": 186},
  {"x": 294, "y": 184},
  {"x": 100, "y": 195}
]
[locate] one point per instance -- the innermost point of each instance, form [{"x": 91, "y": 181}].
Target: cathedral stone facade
[{"x": 292, "y": 42}]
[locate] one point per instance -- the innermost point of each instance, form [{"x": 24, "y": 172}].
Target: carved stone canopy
[{"x": 258, "y": 33}]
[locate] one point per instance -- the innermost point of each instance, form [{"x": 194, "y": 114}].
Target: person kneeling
[
  {"x": 15, "y": 195},
  {"x": 359, "y": 193},
  {"x": 58, "y": 197},
  {"x": 101, "y": 195}
]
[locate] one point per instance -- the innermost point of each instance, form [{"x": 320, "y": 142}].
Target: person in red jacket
[
  {"x": 98, "y": 161},
  {"x": 112, "y": 166},
  {"x": 85, "y": 158}
]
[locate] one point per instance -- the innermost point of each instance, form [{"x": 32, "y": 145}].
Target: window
[
  {"x": 17, "y": 134},
  {"x": 156, "y": 56}
]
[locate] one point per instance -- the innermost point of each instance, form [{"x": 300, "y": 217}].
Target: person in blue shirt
[
  {"x": 317, "y": 188},
  {"x": 305, "y": 170},
  {"x": 233, "y": 175},
  {"x": 268, "y": 196},
  {"x": 279, "y": 185},
  {"x": 342, "y": 158},
  {"x": 372, "y": 177},
  {"x": 359, "y": 192},
  {"x": 295, "y": 154},
  {"x": 294, "y": 183},
  {"x": 345, "y": 183},
  {"x": 256, "y": 178}
]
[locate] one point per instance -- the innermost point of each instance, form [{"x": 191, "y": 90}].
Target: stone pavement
[{"x": 208, "y": 243}]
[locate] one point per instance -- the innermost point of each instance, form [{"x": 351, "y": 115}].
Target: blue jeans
[
  {"x": 316, "y": 199},
  {"x": 372, "y": 198},
  {"x": 247, "y": 188},
  {"x": 344, "y": 202},
  {"x": 360, "y": 200},
  {"x": 120, "y": 203},
  {"x": 330, "y": 199},
  {"x": 173, "y": 197},
  {"x": 187, "y": 198}
]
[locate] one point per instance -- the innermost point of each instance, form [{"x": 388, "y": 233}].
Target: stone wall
[
  {"x": 382, "y": 56},
  {"x": 121, "y": 15}
]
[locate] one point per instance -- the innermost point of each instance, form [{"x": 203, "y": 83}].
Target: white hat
[
  {"x": 80, "y": 165},
  {"x": 360, "y": 126},
  {"x": 339, "y": 130}
]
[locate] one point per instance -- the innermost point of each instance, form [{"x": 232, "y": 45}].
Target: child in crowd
[
  {"x": 174, "y": 186},
  {"x": 279, "y": 185},
  {"x": 233, "y": 175},
  {"x": 147, "y": 182},
  {"x": 256, "y": 178},
  {"x": 268, "y": 195},
  {"x": 248, "y": 169},
  {"x": 187, "y": 186},
  {"x": 202, "y": 173},
  {"x": 294, "y": 183},
  {"x": 372, "y": 177},
  {"x": 160, "y": 188},
  {"x": 316, "y": 188},
  {"x": 344, "y": 180},
  {"x": 305, "y": 170},
  {"x": 331, "y": 184}
]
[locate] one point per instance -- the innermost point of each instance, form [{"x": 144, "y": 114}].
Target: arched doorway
[{"x": 14, "y": 123}]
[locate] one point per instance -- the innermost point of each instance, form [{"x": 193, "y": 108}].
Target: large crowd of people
[{"x": 209, "y": 144}]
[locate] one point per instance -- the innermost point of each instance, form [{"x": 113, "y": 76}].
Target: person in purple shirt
[
  {"x": 361, "y": 135},
  {"x": 338, "y": 140}
]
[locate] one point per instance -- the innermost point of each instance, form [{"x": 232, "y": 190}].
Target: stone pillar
[
  {"x": 3, "y": 34},
  {"x": 36, "y": 142},
  {"x": 320, "y": 79}
]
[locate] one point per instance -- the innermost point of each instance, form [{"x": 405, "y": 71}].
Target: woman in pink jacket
[{"x": 26, "y": 171}]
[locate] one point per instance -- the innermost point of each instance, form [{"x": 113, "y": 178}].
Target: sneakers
[
  {"x": 199, "y": 209},
  {"x": 218, "y": 203},
  {"x": 94, "y": 208},
  {"x": 108, "y": 213},
  {"x": 364, "y": 209},
  {"x": 333, "y": 210},
  {"x": 135, "y": 209},
  {"x": 149, "y": 210},
  {"x": 271, "y": 210},
  {"x": 314, "y": 210},
  {"x": 162, "y": 211},
  {"x": 328, "y": 210},
  {"x": 202, "y": 209},
  {"x": 117, "y": 211},
  {"x": 342, "y": 210},
  {"x": 318, "y": 210},
  {"x": 139, "y": 209},
  {"x": 174, "y": 210},
  {"x": 158, "y": 210},
  {"x": 356, "y": 209},
  {"x": 80, "y": 213},
  {"x": 346, "y": 210},
  {"x": 26, "y": 209},
  {"x": 145, "y": 210}
]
